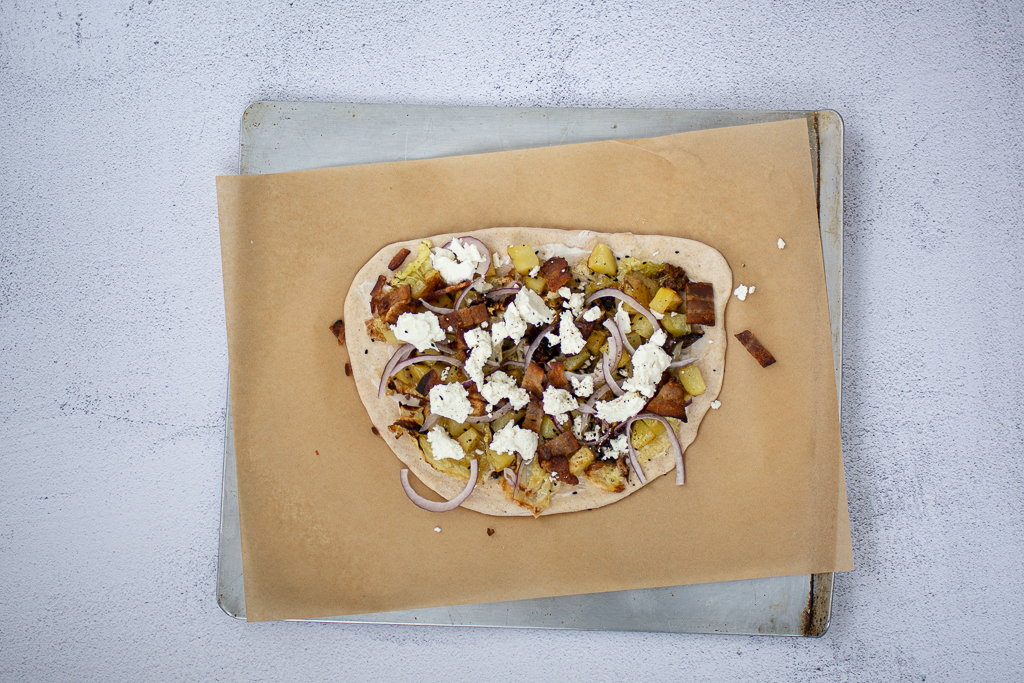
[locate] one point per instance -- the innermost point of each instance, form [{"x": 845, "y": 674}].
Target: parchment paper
[{"x": 326, "y": 529}]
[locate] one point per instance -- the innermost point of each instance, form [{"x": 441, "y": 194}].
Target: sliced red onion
[
  {"x": 467, "y": 290},
  {"x": 513, "y": 364},
  {"x": 673, "y": 440},
  {"x": 389, "y": 368},
  {"x": 402, "y": 364},
  {"x": 439, "y": 310},
  {"x": 500, "y": 412},
  {"x": 510, "y": 477},
  {"x": 536, "y": 343},
  {"x": 634, "y": 461},
  {"x": 615, "y": 353},
  {"x": 625, "y": 298},
  {"x": 682, "y": 363},
  {"x": 502, "y": 292},
  {"x": 585, "y": 409},
  {"x": 410, "y": 402},
  {"x": 429, "y": 422},
  {"x": 435, "y": 506},
  {"x": 598, "y": 393}
]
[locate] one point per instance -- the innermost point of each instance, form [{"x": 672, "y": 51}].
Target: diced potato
[
  {"x": 580, "y": 460},
  {"x": 574, "y": 363},
  {"x": 445, "y": 301},
  {"x": 547, "y": 428},
  {"x": 595, "y": 341},
  {"x": 499, "y": 461},
  {"x": 418, "y": 371},
  {"x": 469, "y": 439},
  {"x": 538, "y": 488},
  {"x": 389, "y": 336},
  {"x": 633, "y": 285},
  {"x": 608, "y": 475},
  {"x": 623, "y": 359},
  {"x": 500, "y": 423},
  {"x": 456, "y": 429},
  {"x": 602, "y": 260},
  {"x": 523, "y": 258},
  {"x": 405, "y": 377},
  {"x": 692, "y": 380},
  {"x": 635, "y": 339},
  {"x": 665, "y": 300},
  {"x": 456, "y": 468},
  {"x": 643, "y": 326},
  {"x": 536, "y": 284},
  {"x": 675, "y": 324},
  {"x": 642, "y": 434}
]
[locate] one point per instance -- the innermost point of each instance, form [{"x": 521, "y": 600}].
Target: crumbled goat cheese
[
  {"x": 741, "y": 292},
  {"x": 500, "y": 260},
  {"x": 782, "y": 243},
  {"x": 582, "y": 387},
  {"x": 572, "y": 341},
  {"x": 480, "y": 343},
  {"x": 444, "y": 447},
  {"x": 575, "y": 304},
  {"x": 437, "y": 529},
  {"x": 564, "y": 292},
  {"x": 558, "y": 402},
  {"x": 419, "y": 329},
  {"x": 750, "y": 290},
  {"x": 552, "y": 338},
  {"x": 716, "y": 404},
  {"x": 649, "y": 363},
  {"x": 621, "y": 408},
  {"x": 467, "y": 252},
  {"x": 483, "y": 286},
  {"x": 577, "y": 426},
  {"x": 500, "y": 385},
  {"x": 451, "y": 401},
  {"x": 534, "y": 271},
  {"x": 592, "y": 314},
  {"x": 622, "y": 320},
  {"x": 615, "y": 448},
  {"x": 532, "y": 308},
  {"x": 593, "y": 434},
  {"x": 514, "y": 439},
  {"x": 451, "y": 270}
]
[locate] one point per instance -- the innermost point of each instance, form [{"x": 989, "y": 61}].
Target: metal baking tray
[{"x": 291, "y": 136}]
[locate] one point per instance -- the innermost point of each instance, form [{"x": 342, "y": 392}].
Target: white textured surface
[{"x": 118, "y": 115}]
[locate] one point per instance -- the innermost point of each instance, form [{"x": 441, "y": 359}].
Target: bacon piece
[
  {"x": 750, "y": 343},
  {"x": 398, "y": 259},
  {"x": 385, "y": 304},
  {"x": 534, "y": 416},
  {"x": 338, "y": 328},
  {"x": 700, "y": 303},
  {"x": 559, "y": 466},
  {"x": 377, "y": 288},
  {"x": 428, "y": 382},
  {"x": 393, "y": 313},
  {"x": 555, "y": 272},
  {"x": 556, "y": 375},
  {"x": 564, "y": 444},
  {"x": 670, "y": 401},
  {"x": 348, "y": 369},
  {"x": 433, "y": 283},
  {"x": 533, "y": 379},
  {"x": 463, "y": 319},
  {"x": 586, "y": 328},
  {"x": 438, "y": 293}
]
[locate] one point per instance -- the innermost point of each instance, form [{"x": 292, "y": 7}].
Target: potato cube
[
  {"x": 523, "y": 258},
  {"x": 469, "y": 439},
  {"x": 547, "y": 428},
  {"x": 602, "y": 260},
  {"x": 595, "y": 341},
  {"x": 642, "y": 434},
  {"x": 675, "y": 324},
  {"x": 536, "y": 284},
  {"x": 499, "y": 461},
  {"x": 643, "y": 326},
  {"x": 574, "y": 363},
  {"x": 665, "y": 300},
  {"x": 580, "y": 460},
  {"x": 692, "y": 380}
]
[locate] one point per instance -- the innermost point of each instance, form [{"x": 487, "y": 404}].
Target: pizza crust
[{"x": 701, "y": 262}]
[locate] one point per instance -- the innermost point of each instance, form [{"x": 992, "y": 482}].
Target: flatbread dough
[{"x": 702, "y": 264}]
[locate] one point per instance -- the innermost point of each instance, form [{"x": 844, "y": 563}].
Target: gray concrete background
[{"x": 117, "y": 116}]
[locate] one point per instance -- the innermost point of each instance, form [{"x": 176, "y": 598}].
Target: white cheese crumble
[
  {"x": 437, "y": 529},
  {"x": 573, "y": 301},
  {"x": 750, "y": 290},
  {"x": 532, "y": 308},
  {"x": 582, "y": 387},
  {"x": 534, "y": 271},
  {"x": 577, "y": 426},
  {"x": 451, "y": 401},
  {"x": 513, "y": 439},
  {"x": 451, "y": 270},
  {"x": 564, "y": 292},
  {"x": 716, "y": 404},
  {"x": 615, "y": 448},
  {"x": 622, "y": 320},
  {"x": 483, "y": 286},
  {"x": 552, "y": 338},
  {"x": 782, "y": 243},
  {"x": 480, "y": 343},
  {"x": 444, "y": 447},
  {"x": 500, "y": 260},
  {"x": 592, "y": 314},
  {"x": 419, "y": 329},
  {"x": 649, "y": 363},
  {"x": 558, "y": 402},
  {"x": 741, "y": 292},
  {"x": 571, "y": 339},
  {"x": 621, "y": 408},
  {"x": 500, "y": 385}
]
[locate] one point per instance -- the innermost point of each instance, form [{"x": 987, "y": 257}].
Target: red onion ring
[
  {"x": 614, "y": 351},
  {"x": 435, "y": 506},
  {"x": 503, "y": 291},
  {"x": 429, "y": 422},
  {"x": 402, "y": 364},
  {"x": 536, "y": 343},
  {"x": 501, "y": 412},
  {"x": 673, "y": 440},
  {"x": 634, "y": 460},
  {"x": 389, "y": 368},
  {"x": 682, "y": 363},
  {"x": 467, "y": 290},
  {"x": 439, "y": 310},
  {"x": 625, "y": 298}
]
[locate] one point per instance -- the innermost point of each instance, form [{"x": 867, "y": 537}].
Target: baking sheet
[{"x": 596, "y": 123}]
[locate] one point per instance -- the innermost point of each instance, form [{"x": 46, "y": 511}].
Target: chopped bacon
[
  {"x": 393, "y": 313},
  {"x": 670, "y": 401},
  {"x": 555, "y": 272},
  {"x": 672, "y": 277},
  {"x": 534, "y": 416},
  {"x": 564, "y": 444},
  {"x": 348, "y": 369},
  {"x": 438, "y": 293},
  {"x": 398, "y": 259},
  {"x": 533, "y": 379},
  {"x": 700, "y": 303},
  {"x": 338, "y": 328},
  {"x": 586, "y": 328},
  {"x": 464, "y": 318},
  {"x": 687, "y": 340},
  {"x": 556, "y": 375},
  {"x": 404, "y": 425},
  {"x": 750, "y": 343},
  {"x": 393, "y": 303},
  {"x": 433, "y": 283},
  {"x": 378, "y": 288},
  {"x": 428, "y": 382},
  {"x": 559, "y": 466}
]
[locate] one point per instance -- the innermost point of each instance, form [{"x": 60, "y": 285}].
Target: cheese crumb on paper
[
  {"x": 741, "y": 292},
  {"x": 782, "y": 243},
  {"x": 716, "y": 404}
]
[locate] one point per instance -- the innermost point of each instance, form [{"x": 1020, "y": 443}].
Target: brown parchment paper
[{"x": 326, "y": 529}]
